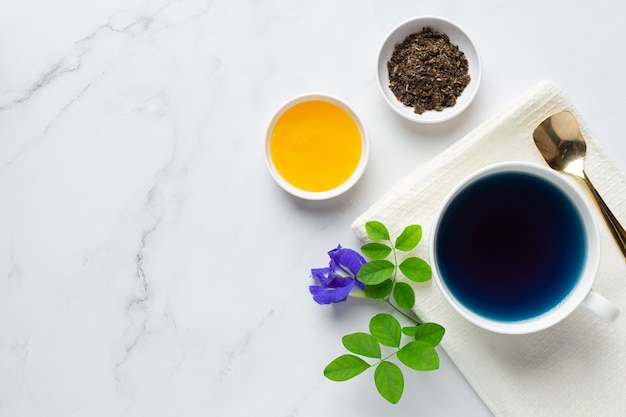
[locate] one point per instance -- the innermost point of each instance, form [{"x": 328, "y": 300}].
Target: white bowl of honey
[{"x": 316, "y": 147}]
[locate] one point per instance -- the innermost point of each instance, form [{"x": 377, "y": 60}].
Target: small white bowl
[
  {"x": 457, "y": 37},
  {"x": 317, "y": 195}
]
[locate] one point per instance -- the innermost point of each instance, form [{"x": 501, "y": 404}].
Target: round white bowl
[
  {"x": 458, "y": 37},
  {"x": 318, "y": 195}
]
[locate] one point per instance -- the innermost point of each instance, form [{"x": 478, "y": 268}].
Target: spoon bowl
[{"x": 563, "y": 146}]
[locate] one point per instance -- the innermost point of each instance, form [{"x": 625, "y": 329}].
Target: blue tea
[{"x": 511, "y": 246}]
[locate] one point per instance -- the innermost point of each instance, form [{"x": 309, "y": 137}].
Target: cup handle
[{"x": 600, "y": 306}]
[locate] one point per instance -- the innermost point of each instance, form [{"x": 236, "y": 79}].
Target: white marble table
[{"x": 150, "y": 266}]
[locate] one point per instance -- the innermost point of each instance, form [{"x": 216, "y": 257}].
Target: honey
[{"x": 315, "y": 146}]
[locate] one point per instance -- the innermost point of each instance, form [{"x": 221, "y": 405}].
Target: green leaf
[
  {"x": 389, "y": 381},
  {"x": 374, "y": 250},
  {"x": 376, "y": 230},
  {"x": 362, "y": 344},
  {"x": 379, "y": 291},
  {"x": 386, "y": 329},
  {"x": 404, "y": 295},
  {"x": 345, "y": 367},
  {"x": 409, "y": 331},
  {"x": 409, "y": 238},
  {"x": 419, "y": 355},
  {"x": 431, "y": 333},
  {"x": 375, "y": 272},
  {"x": 416, "y": 269}
]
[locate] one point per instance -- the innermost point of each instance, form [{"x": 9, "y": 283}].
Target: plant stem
[
  {"x": 416, "y": 321},
  {"x": 395, "y": 274}
]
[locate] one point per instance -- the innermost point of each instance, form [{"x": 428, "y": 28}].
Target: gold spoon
[{"x": 559, "y": 140}]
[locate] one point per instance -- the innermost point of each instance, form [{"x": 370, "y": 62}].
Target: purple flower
[{"x": 339, "y": 278}]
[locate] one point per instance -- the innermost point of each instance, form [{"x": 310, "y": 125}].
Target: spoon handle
[{"x": 616, "y": 228}]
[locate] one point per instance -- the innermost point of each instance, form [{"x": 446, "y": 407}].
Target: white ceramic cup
[{"x": 450, "y": 275}]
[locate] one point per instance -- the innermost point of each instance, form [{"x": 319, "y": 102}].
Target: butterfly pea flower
[{"x": 339, "y": 279}]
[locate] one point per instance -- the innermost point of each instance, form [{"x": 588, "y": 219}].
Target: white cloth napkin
[{"x": 578, "y": 367}]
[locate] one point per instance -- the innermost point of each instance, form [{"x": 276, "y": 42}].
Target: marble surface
[{"x": 150, "y": 266}]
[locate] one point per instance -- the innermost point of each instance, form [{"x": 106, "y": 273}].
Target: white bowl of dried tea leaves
[{"x": 428, "y": 69}]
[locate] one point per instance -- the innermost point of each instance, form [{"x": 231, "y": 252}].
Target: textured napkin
[{"x": 576, "y": 368}]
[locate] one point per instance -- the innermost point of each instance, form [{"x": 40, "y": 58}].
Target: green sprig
[
  {"x": 385, "y": 333},
  {"x": 380, "y": 276}
]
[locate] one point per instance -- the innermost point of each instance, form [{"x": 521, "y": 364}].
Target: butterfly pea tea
[
  {"x": 515, "y": 248},
  {"x": 502, "y": 244}
]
